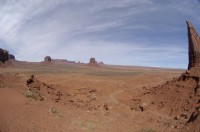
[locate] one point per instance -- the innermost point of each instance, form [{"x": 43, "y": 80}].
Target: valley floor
[{"x": 74, "y": 98}]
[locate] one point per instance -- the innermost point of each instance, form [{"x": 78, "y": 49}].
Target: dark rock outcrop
[
  {"x": 11, "y": 57},
  {"x": 4, "y": 55},
  {"x": 101, "y": 62},
  {"x": 62, "y": 61},
  {"x": 194, "y": 46},
  {"x": 47, "y": 59},
  {"x": 92, "y": 61},
  {"x": 71, "y": 62},
  {"x": 41, "y": 91},
  {"x": 59, "y": 61}
]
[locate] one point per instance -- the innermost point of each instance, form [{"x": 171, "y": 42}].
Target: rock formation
[
  {"x": 47, "y": 59},
  {"x": 194, "y": 46},
  {"x": 71, "y": 62},
  {"x": 11, "y": 57},
  {"x": 92, "y": 61},
  {"x": 62, "y": 61},
  {"x": 180, "y": 97},
  {"x": 4, "y": 55},
  {"x": 59, "y": 61},
  {"x": 101, "y": 62},
  {"x": 41, "y": 91}
]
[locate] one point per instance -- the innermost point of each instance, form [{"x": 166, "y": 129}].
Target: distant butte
[
  {"x": 12, "y": 57},
  {"x": 5, "y": 56},
  {"x": 47, "y": 59},
  {"x": 93, "y": 62}
]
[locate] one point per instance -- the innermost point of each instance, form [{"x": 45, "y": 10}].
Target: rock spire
[{"x": 194, "y": 46}]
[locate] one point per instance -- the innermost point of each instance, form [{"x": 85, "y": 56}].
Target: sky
[{"x": 119, "y": 32}]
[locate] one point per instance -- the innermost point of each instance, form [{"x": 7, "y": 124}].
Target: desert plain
[{"x": 82, "y": 98}]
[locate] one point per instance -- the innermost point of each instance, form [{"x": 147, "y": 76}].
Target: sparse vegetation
[
  {"x": 29, "y": 94},
  {"x": 53, "y": 110},
  {"x": 112, "y": 73},
  {"x": 148, "y": 130},
  {"x": 84, "y": 125}
]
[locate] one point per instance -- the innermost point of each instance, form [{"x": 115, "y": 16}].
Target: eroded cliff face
[
  {"x": 4, "y": 55},
  {"x": 194, "y": 46}
]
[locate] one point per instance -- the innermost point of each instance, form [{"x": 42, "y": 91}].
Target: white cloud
[{"x": 81, "y": 29}]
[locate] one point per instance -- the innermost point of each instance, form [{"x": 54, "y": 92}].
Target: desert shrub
[
  {"x": 114, "y": 73},
  {"x": 53, "y": 110},
  {"x": 29, "y": 94},
  {"x": 148, "y": 130}
]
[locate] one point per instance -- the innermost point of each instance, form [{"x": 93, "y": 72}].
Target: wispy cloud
[{"x": 128, "y": 32}]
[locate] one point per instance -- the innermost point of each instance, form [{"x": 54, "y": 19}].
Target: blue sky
[{"x": 122, "y": 32}]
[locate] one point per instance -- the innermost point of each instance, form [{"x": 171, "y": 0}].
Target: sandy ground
[{"x": 73, "y": 98}]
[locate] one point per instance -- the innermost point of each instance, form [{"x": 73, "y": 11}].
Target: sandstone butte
[
  {"x": 47, "y": 59},
  {"x": 11, "y": 56},
  {"x": 92, "y": 61},
  {"x": 4, "y": 55}
]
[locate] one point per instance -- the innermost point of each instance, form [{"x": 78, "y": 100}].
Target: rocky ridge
[{"x": 179, "y": 99}]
